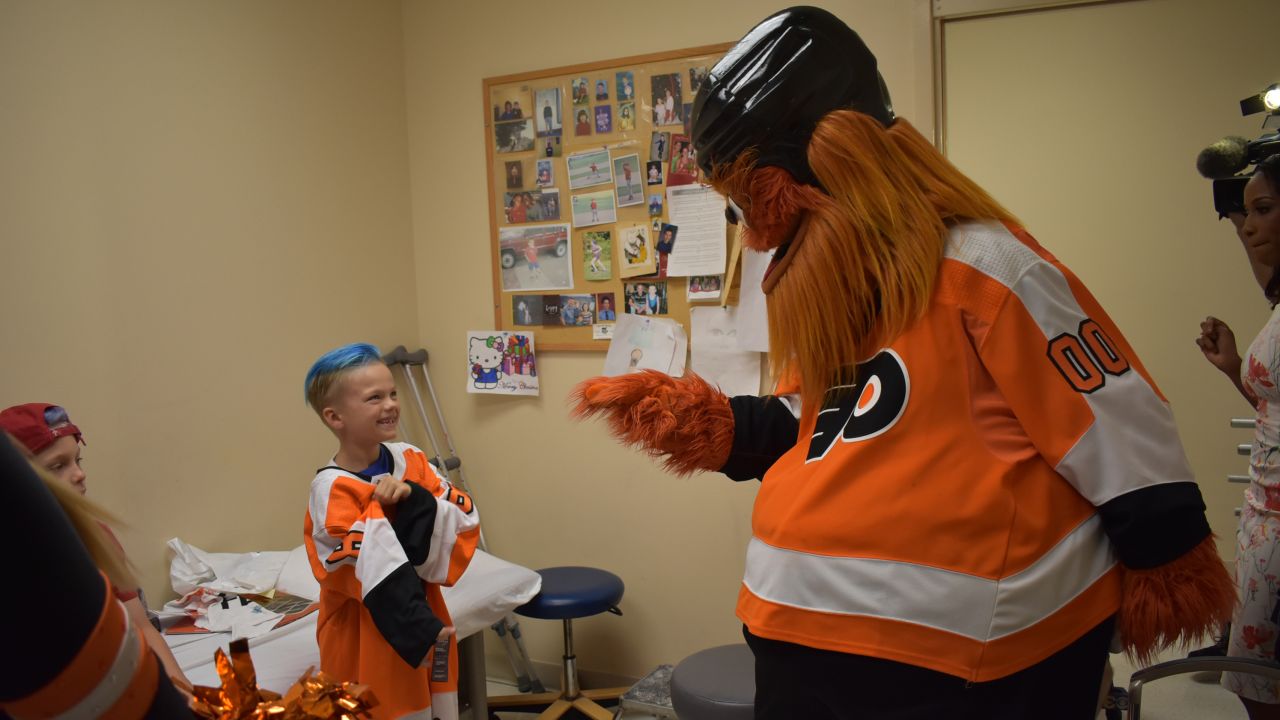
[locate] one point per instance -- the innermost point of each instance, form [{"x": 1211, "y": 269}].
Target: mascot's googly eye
[{"x": 734, "y": 214}]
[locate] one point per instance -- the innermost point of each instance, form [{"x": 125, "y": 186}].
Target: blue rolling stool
[
  {"x": 718, "y": 683},
  {"x": 568, "y": 593}
]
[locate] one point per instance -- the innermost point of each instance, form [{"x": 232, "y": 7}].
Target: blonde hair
[
  {"x": 88, "y": 519},
  {"x": 865, "y": 254}
]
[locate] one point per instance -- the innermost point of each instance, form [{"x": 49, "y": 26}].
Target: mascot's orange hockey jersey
[
  {"x": 379, "y": 572},
  {"x": 1001, "y": 421}
]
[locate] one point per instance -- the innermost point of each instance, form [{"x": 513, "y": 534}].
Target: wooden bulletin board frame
[{"x": 524, "y": 88}]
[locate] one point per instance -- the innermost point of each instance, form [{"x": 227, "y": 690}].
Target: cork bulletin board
[{"x": 580, "y": 160}]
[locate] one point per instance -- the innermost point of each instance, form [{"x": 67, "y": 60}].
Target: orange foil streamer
[{"x": 315, "y": 696}]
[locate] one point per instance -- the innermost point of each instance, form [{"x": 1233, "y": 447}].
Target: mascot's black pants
[{"x": 794, "y": 681}]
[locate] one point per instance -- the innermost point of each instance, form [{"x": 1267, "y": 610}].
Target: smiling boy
[{"x": 384, "y": 530}]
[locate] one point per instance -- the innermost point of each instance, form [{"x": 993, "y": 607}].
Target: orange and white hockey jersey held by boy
[{"x": 384, "y": 531}]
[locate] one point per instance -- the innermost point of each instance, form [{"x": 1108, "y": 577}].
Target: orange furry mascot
[{"x": 969, "y": 481}]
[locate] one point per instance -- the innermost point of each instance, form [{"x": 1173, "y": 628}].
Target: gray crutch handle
[{"x": 400, "y": 356}]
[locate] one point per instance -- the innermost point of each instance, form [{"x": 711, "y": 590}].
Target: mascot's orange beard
[{"x": 857, "y": 263}]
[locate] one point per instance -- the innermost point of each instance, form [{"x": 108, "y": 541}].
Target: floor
[
  {"x": 501, "y": 688},
  {"x": 1182, "y": 697}
]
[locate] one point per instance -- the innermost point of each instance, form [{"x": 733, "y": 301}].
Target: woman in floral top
[{"x": 1254, "y": 627}]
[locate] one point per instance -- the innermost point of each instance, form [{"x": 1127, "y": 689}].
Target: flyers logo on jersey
[
  {"x": 347, "y": 551},
  {"x": 870, "y": 406}
]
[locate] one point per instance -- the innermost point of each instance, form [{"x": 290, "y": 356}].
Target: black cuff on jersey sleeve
[
  {"x": 398, "y": 606},
  {"x": 413, "y": 520},
  {"x": 1154, "y": 525},
  {"x": 763, "y": 430}
]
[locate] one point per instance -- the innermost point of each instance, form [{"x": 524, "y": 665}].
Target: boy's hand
[
  {"x": 446, "y": 633},
  {"x": 390, "y": 492}
]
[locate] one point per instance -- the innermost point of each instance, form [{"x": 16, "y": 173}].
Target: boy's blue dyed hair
[{"x": 326, "y": 370}]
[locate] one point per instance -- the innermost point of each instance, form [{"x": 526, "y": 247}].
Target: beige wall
[
  {"x": 551, "y": 491},
  {"x": 196, "y": 199},
  {"x": 1096, "y": 151}
]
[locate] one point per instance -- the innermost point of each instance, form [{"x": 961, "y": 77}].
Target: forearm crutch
[{"x": 508, "y": 628}]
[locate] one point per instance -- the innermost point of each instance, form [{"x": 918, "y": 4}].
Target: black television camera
[{"x": 1224, "y": 161}]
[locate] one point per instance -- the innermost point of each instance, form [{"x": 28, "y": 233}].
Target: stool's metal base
[
  {"x": 570, "y": 695},
  {"x": 557, "y": 705}
]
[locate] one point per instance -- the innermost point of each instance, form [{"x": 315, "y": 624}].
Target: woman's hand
[{"x": 1218, "y": 344}]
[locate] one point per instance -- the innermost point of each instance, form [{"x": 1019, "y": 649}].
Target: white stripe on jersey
[
  {"x": 115, "y": 681},
  {"x": 929, "y": 595}
]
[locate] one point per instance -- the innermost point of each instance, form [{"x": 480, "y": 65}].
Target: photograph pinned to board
[
  {"x": 501, "y": 363},
  {"x": 550, "y": 146},
  {"x": 515, "y": 136},
  {"x": 515, "y": 174},
  {"x": 507, "y": 105},
  {"x": 641, "y": 342},
  {"x": 696, "y": 76},
  {"x": 668, "y": 101},
  {"x": 547, "y": 116},
  {"x": 659, "y": 145},
  {"x": 666, "y": 237},
  {"x": 684, "y": 162},
  {"x": 626, "y": 179},
  {"x": 604, "y": 119},
  {"x": 637, "y": 251},
  {"x": 626, "y": 116},
  {"x": 626, "y": 83},
  {"x": 594, "y": 208},
  {"x": 588, "y": 168},
  {"x": 576, "y": 310},
  {"x": 602, "y": 89},
  {"x": 526, "y": 310},
  {"x": 581, "y": 122},
  {"x": 597, "y": 255},
  {"x": 550, "y": 310},
  {"x": 664, "y": 257},
  {"x": 702, "y": 288},
  {"x": 546, "y": 173},
  {"x": 532, "y": 206},
  {"x": 535, "y": 257},
  {"x": 646, "y": 298},
  {"x": 653, "y": 172},
  {"x": 579, "y": 91},
  {"x": 655, "y": 206},
  {"x": 606, "y": 308}
]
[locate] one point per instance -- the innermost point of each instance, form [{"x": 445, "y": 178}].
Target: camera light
[{"x": 1271, "y": 98}]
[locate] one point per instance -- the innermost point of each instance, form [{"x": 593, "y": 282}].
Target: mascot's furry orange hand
[
  {"x": 685, "y": 420},
  {"x": 964, "y": 409}
]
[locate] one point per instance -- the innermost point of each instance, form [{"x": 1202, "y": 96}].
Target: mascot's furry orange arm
[{"x": 684, "y": 421}]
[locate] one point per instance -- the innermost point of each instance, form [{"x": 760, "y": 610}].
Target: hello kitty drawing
[{"x": 485, "y": 356}]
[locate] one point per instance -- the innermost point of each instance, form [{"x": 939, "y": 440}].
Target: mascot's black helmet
[{"x": 772, "y": 88}]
